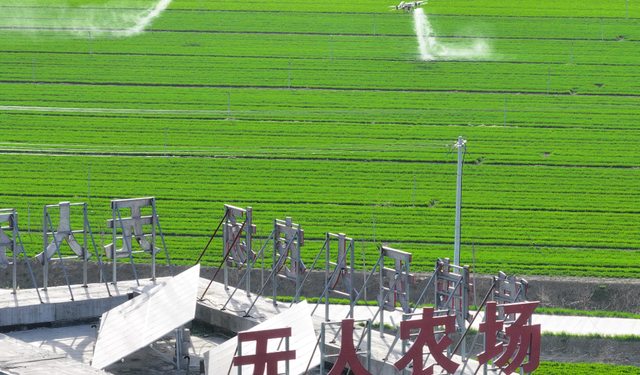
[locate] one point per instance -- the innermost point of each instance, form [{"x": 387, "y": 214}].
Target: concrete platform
[
  {"x": 19, "y": 357},
  {"x": 24, "y": 308}
]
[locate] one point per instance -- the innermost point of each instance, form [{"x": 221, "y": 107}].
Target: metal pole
[
  {"x": 45, "y": 239},
  {"x": 165, "y": 141},
  {"x": 374, "y": 24},
  {"x": 200, "y": 4},
  {"x": 414, "y": 190},
  {"x": 364, "y": 269},
  {"x": 85, "y": 258},
  {"x": 572, "y": 52},
  {"x": 456, "y": 258},
  {"x": 229, "y": 107},
  {"x": 249, "y": 244},
  {"x": 626, "y": 6},
  {"x": 505, "y": 112},
  {"x": 331, "y": 52},
  {"x": 289, "y": 74},
  {"x": 602, "y": 25},
  {"x": 33, "y": 68},
  {"x": 549, "y": 81},
  {"x": 90, "y": 46},
  {"x": 374, "y": 227}
]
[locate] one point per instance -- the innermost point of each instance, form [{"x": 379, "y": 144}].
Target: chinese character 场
[
  {"x": 524, "y": 340},
  {"x": 262, "y": 358},
  {"x": 347, "y": 355},
  {"x": 427, "y": 336}
]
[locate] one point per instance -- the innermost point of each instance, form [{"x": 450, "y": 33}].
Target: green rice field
[{"x": 326, "y": 112}]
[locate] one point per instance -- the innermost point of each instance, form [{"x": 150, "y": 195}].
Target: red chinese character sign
[
  {"x": 262, "y": 359},
  {"x": 524, "y": 339},
  {"x": 348, "y": 355},
  {"x": 427, "y": 336}
]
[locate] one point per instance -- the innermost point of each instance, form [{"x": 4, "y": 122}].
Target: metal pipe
[
  {"x": 64, "y": 269},
  {"x": 214, "y": 233},
  {"x": 124, "y": 239},
  {"x": 223, "y": 261}
]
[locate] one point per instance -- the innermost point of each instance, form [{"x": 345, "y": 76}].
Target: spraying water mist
[
  {"x": 431, "y": 49},
  {"x": 110, "y": 18}
]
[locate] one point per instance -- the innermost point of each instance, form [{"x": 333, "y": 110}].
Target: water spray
[{"x": 430, "y": 48}]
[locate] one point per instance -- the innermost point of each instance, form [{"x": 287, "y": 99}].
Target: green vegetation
[
  {"x": 595, "y": 336},
  {"x": 550, "y": 189},
  {"x": 556, "y": 368}
]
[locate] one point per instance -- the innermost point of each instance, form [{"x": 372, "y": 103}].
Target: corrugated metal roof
[{"x": 146, "y": 318}]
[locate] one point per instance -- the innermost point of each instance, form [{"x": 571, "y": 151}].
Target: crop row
[
  {"x": 107, "y": 134},
  {"x": 344, "y": 23},
  {"x": 361, "y": 107},
  {"x": 325, "y": 74},
  {"x": 341, "y": 48},
  {"x": 507, "y": 190},
  {"x": 342, "y": 197},
  {"x": 545, "y": 8}
]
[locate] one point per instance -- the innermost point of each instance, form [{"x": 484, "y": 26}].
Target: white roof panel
[
  {"x": 146, "y": 318},
  {"x": 303, "y": 340}
]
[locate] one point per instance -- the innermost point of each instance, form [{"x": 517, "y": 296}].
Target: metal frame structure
[
  {"x": 288, "y": 239},
  {"x": 63, "y": 233},
  {"x": 398, "y": 280},
  {"x": 237, "y": 253},
  {"x": 508, "y": 290},
  {"x": 341, "y": 269},
  {"x": 132, "y": 227},
  {"x": 453, "y": 291},
  {"x": 292, "y": 241},
  {"x": 10, "y": 216}
]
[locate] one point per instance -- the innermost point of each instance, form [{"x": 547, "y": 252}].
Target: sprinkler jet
[{"x": 408, "y": 7}]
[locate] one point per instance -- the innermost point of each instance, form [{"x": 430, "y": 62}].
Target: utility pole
[{"x": 461, "y": 146}]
